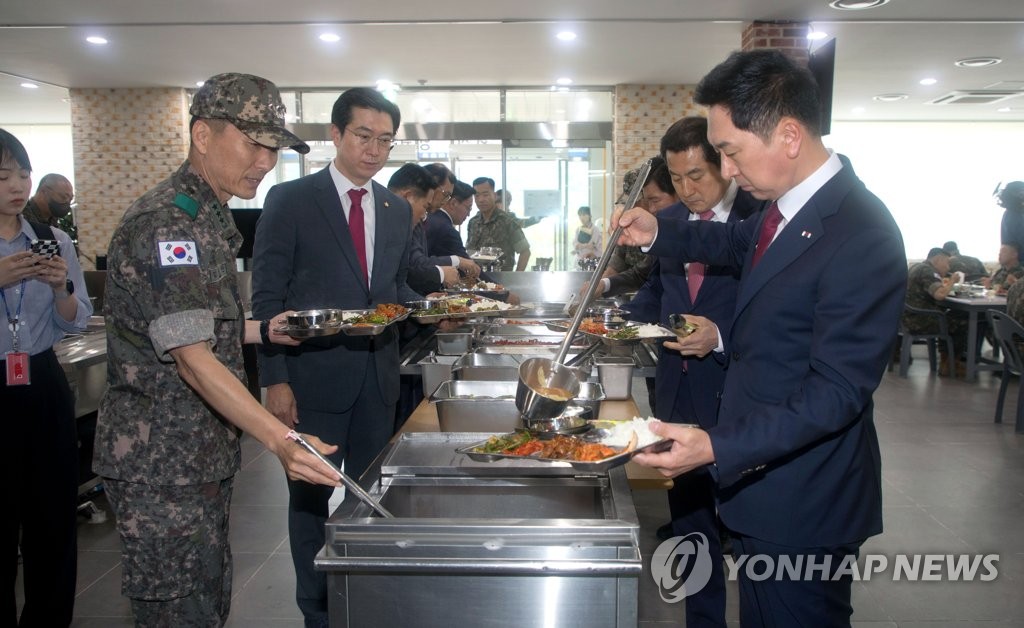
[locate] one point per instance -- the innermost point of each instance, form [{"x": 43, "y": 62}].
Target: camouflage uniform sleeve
[
  {"x": 618, "y": 260},
  {"x": 519, "y": 242},
  {"x": 172, "y": 297}
]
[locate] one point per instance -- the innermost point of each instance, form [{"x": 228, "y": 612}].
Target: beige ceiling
[{"x": 459, "y": 43}]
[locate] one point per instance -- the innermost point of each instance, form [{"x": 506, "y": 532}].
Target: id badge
[{"x": 17, "y": 369}]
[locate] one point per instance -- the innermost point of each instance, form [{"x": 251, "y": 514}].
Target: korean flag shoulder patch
[{"x": 178, "y": 253}]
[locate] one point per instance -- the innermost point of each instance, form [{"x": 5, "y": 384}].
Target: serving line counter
[{"x": 507, "y": 543}]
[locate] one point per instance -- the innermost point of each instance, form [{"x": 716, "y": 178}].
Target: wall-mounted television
[
  {"x": 245, "y": 221},
  {"x": 822, "y": 64}
]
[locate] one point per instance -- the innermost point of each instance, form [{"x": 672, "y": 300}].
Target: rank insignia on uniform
[{"x": 178, "y": 253}]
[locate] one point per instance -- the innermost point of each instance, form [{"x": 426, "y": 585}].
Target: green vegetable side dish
[
  {"x": 369, "y": 319},
  {"x": 626, "y": 333},
  {"x": 499, "y": 444}
]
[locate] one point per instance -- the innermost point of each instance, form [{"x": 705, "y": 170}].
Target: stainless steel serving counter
[
  {"x": 84, "y": 358},
  {"x": 509, "y": 543}
]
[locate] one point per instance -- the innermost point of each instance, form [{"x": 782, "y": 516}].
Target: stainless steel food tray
[
  {"x": 338, "y": 325},
  {"x": 597, "y": 466}
]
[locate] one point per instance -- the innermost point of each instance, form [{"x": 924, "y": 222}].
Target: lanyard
[{"x": 12, "y": 322}]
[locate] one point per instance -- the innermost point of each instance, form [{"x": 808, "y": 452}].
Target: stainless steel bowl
[
  {"x": 538, "y": 373},
  {"x": 305, "y": 319},
  {"x": 573, "y": 421}
]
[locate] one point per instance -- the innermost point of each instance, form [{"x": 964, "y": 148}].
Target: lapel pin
[
  {"x": 806, "y": 234},
  {"x": 386, "y": 204}
]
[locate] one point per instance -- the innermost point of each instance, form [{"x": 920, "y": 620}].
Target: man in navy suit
[
  {"x": 795, "y": 452},
  {"x": 688, "y": 390},
  {"x": 426, "y": 274},
  {"x": 442, "y": 226},
  {"x": 334, "y": 239}
]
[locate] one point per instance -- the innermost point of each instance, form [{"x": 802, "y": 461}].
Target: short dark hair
[
  {"x": 583, "y": 210},
  {"x": 660, "y": 176},
  {"x": 481, "y": 180},
  {"x": 365, "y": 98},
  {"x": 1012, "y": 196},
  {"x": 12, "y": 148},
  {"x": 951, "y": 247},
  {"x": 441, "y": 173},
  {"x": 462, "y": 191},
  {"x": 937, "y": 251},
  {"x": 686, "y": 134},
  {"x": 759, "y": 88},
  {"x": 412, "y": 176}
]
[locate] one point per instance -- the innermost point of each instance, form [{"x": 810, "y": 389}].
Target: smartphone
[{"x": 47, "y": 248}]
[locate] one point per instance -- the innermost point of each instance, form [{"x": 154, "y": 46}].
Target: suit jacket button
[{"x": 736, "y": 356}]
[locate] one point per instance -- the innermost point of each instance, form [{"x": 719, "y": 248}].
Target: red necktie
[
  {"x": 355, "y": 227},
  {"x": 768, "y": 229},
  {"x": 695, "y": 271}
]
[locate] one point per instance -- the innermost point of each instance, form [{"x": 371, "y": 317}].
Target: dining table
[{"x": 973, "y": 306}]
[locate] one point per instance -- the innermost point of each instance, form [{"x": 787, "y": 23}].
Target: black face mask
[{"x": 59, "y": 210}]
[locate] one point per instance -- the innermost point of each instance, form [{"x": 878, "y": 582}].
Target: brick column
[
  {"x": 125, "y": 141},
  {"x": 789, "y": 37},
  {"x": 642, "y": 115}
]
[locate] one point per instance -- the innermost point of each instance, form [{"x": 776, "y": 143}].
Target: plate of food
[
  {"x": 594, "y": 451},
  {"x": 435, "y": 310},
  {"x": 372, "y": 322},
  {"x": 482, "y": 288},
  {"x": 628, "y": 334}
]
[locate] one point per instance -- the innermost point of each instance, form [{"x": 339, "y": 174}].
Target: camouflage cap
[
  {"x": 628, "y": 180},
  {"x": 252, "y": 104}
]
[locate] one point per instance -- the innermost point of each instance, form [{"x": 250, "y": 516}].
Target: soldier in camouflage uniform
[
  {"x": 629, "y": 267},
  {"x": 168, "y": 428},
  {"x": 972, "y": 267},
  {"x": 927, "y": 287},
  {"x": 1009, "y": 270},
  {"x": 491, "y": 227}
]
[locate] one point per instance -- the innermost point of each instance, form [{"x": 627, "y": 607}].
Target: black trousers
[
  {"x": 39, "y": 458},
  {"x": 360, "y": 432}
]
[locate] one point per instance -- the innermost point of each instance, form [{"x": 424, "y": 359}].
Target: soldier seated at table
[
  {"x": 1009, "y": 270},
  {"x": 972, "y": 267},
  {"x": 927, "y": 287}
]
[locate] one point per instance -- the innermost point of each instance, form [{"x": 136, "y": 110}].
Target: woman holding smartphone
[{"x": 42, "y": 296}]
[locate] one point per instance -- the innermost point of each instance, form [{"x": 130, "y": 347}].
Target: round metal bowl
[
  {"x": 306, "y": 319},
  {"x": 538, "y": 373},
  {"x": 574, "y": 420}
]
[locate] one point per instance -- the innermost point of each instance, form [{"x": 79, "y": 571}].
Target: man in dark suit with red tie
[
  {"x": 334, "y": 239},
  {"x": 688, "y": 389},
  {"x": 795, "y": 452}
]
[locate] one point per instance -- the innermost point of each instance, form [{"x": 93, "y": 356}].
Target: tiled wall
[
  {"x": 642, "y": 114},
  {"x": 125, "y": 141}
]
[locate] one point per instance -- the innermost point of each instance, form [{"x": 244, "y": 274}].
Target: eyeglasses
[
  {"x": 384, "y": 142},
  {"x": 446, "y": 196}
]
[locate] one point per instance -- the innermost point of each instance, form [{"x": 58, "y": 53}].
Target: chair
[
  {"x": 931, "y": 339},
  {"x": 1008, "y": 333}
]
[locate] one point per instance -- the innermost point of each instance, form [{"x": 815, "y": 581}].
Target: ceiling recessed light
[
  {"x": 565, "y": 80},
  {"x": 856, "y": 5},
  {"x": 566, "y": 35},
  {"x": 891, "y": 97},
  {"x": 814, "y": 35},
  {"x": 200, "y": 83},
  {"x": 96, "y": 39},
  {"x": 329, "y": 37},
  {"x": 977, "y": 62},
  {"x": 928, "y": 81},
  {"x": 28, "y": 85}
]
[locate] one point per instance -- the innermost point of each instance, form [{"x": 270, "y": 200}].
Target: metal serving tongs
[
  {"x": 581, "y": 311},
  {"x": 349, "y": 483}
]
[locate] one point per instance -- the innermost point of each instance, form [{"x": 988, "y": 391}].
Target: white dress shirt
[{"x": 343, "y": 185}]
